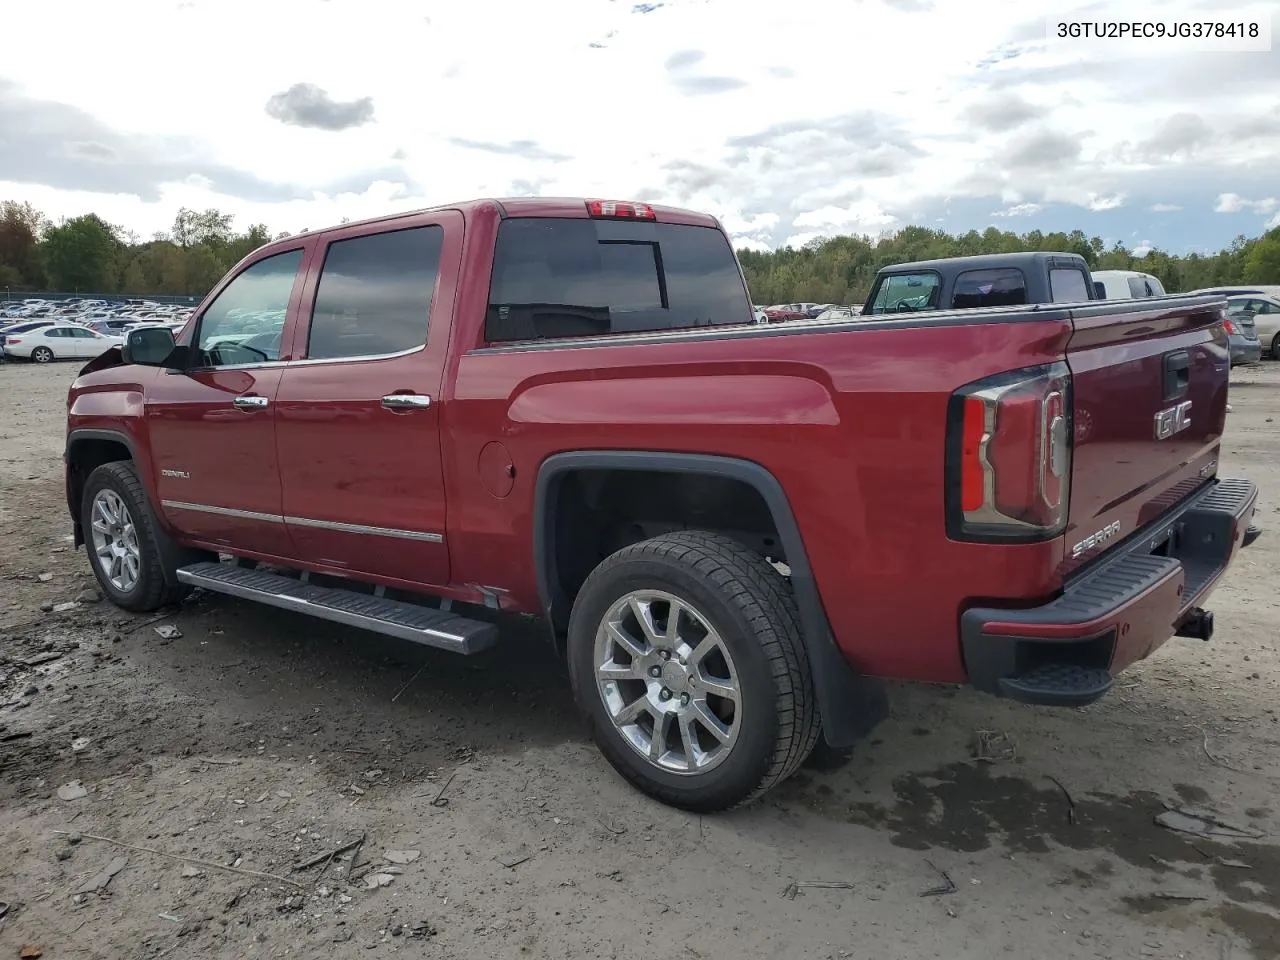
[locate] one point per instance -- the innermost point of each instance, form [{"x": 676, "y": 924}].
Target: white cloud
[
  {"x": 698, "y": 102},
  {"x": 1142, "y": 249},
  {"x": 1113, "y": 202},
  {"x": 1272, "y": 223},
  {"x": 1234, "y": 203},
  {"x": 1018, "y": 210}
]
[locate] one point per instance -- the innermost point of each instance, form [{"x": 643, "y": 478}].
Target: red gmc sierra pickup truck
[{"x": 734, "y": 531}]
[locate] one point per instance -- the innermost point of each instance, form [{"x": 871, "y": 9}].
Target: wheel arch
[
  {"x": 86, "y": 450},
  {"x": 850, "y": 704}
]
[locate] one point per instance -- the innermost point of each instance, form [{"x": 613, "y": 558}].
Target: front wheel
[
  {"x": 686, "y": 656},
  {"x": 124, "y": 541},
  {"x": 42, "y": 355}
]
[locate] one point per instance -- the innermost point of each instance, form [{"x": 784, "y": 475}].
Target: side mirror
[{"x": 148, "y": 347}]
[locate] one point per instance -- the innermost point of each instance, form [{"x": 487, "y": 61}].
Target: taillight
[
  {"x": 620, "y": 210},
  {"x": 1008, "y": 475},
  {"x": 12, "y": 340},
  {"x": 1229, "y": 327}
]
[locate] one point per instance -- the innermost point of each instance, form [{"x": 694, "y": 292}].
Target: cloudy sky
[{"x": 788, "y": 120}]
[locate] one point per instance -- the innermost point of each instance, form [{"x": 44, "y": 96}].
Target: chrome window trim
[
  {"x": 315, "y": 361},
  {"x": 419, "y": 535}
]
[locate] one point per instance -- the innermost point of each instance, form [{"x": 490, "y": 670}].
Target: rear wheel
[
  {"x": 686, "y": 657},
  {"x": 125, "y": 544},
  {"x": 1275, "y": 347},
  {"x": 42, "y": 355}
]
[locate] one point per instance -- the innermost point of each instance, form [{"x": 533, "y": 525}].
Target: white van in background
[{"x": 1125, "y": 285}]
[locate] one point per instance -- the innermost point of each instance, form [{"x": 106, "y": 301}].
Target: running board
[{"x": 395, "y": 618}]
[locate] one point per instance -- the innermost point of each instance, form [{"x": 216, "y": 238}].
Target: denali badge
[
  {"x": 1173, "y": 420},
  {"x": 1096, "y": 539},
  {"x": 176, "y": 474}
]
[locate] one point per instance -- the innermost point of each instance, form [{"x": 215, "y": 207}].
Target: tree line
[
  {"x": 841, "y": 269},
  {"x": 90, "y": 255}
]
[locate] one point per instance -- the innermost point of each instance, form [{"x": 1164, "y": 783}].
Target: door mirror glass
[{"x": 149, "y": 347}]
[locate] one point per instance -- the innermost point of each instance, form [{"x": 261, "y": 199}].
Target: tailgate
[{"x": 1149, "y": 383}]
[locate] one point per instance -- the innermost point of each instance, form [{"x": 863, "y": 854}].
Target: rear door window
[
  {"x": 374, "y": 294},
  {"x": 1068, "y": 285},
  {"x": 556, "y": 277},
  {"x": 907, "y": 293},
  {"x": 1002, "y": 287}
]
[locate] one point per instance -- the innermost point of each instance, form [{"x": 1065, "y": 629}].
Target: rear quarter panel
[{"x": 850, "y": 418}]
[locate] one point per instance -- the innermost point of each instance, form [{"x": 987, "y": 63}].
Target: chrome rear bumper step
[{"x": 395, "y": 618}]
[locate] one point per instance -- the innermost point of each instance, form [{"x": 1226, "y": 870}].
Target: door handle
[
  {"x": 251, "y": 403},
  {"x": 406, "y": 401}
]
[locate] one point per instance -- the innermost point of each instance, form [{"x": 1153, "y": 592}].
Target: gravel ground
[{"x": 259, "y": 740}]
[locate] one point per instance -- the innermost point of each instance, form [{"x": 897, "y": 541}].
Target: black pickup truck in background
[{"x": 1010, "y": 280}]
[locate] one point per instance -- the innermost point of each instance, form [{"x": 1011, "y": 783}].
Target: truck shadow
[{"x": 969, "y": 807}]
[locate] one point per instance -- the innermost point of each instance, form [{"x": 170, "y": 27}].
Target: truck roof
[
  {"x": 572, "y": 207},
  {"x": 985, "y": 261}
]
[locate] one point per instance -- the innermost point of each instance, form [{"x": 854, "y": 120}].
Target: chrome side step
[{"x": 395, "y": 618}]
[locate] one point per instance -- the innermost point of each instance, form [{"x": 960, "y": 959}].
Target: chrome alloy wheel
[
  {"x": 668, "y": 682},
  {"x": 115, "y": 540}
]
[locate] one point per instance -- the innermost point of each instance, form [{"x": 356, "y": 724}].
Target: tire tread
[{"x": 747, "y": 581}]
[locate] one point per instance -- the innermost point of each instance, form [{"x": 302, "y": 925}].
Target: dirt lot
[{"x": 259, "y": 740}]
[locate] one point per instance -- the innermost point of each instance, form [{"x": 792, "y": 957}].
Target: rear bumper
[
  {"x": 1115, "y": 612},
  {"x": 1244, "y": 351}
]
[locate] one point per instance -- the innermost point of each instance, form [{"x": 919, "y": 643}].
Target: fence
[{"x": 11, "y": 295}]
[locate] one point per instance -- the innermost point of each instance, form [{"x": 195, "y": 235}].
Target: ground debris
[
  {"x": 514, "y": 859},
  {"x": 992, "y": 746},
  {"x": 173, "y": 856},
  {"x": 30, "y": 952},
  {"x": 948, "y": 886},
  {"x": 1201, "y": 823},
  {"x": 168, "y": 632},
  {"x": 375, "y": 880},
  {"x": 328, "y": 855},
  {"x": 402, "y": 856},
  {"x": 100, "y": 880},
  {"x": 797, "y": 887},
  {"x": 72, "y": 791}
]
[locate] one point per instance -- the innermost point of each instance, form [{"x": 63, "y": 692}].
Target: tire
[
  {"x": 42, "y": 355},
  {"x": 1275, "y": 347},
  {"x": 155, "y": 584},
  {"x": 773, "y": 721}
]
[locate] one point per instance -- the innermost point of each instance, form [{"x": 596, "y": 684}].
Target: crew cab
[{"x": 734, "y": 531}]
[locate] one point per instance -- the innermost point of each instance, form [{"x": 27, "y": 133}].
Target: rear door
[
  {"x": 1149, "y": 387},
  {"x": 359, "y": 413}
]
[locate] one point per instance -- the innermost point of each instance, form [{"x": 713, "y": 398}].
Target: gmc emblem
[{"x": 1173, "y": 420}]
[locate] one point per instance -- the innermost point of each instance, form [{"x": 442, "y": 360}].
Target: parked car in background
[
  {"x": 17, "y": 328},
  {"x": 839, "y": 313},
  {"x": 1125, "y": 285},
  {"x": 991, "y": 280},
  {"x": 733, "y": 532},
  {"x": 1263, "y": 310},
  {"x": 58, "y": 342}
]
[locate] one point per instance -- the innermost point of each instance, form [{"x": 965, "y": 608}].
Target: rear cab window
[
  {"x": 1001, "y": 287},
  {"x": 558, "y": 277},
  {"x": 1145, "y": 287},
  {"x": 1068, "y": 285},
  {"x": 907, "y": 292}
]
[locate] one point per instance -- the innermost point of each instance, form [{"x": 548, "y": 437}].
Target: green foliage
[
  {"x": 88, "y": 254},
  {"x": 841, "y": 269},
  {"x": 80, "y": 254}
]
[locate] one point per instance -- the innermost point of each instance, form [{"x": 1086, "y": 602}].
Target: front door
[
  {"x": 212, "y": 426},
  {"x": 358, "y": 417}
]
